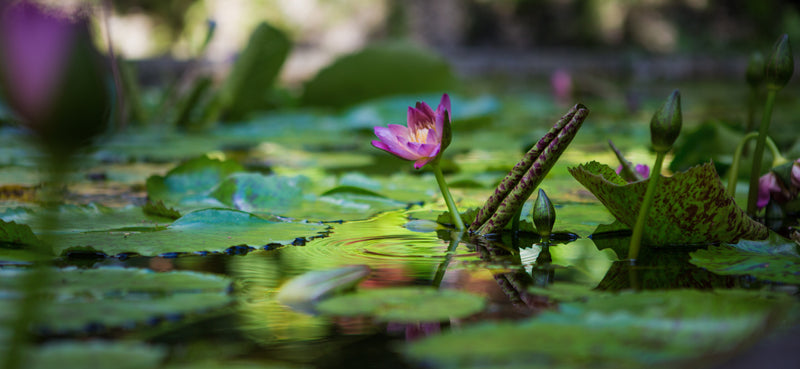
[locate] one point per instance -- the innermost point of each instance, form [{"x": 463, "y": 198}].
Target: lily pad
[
  {"x": 208, "y": 230},
  {"x": 254, "y": 192},
  {"x": 96, "y": 354},
  {"x": 405, "y": 304},
  {"x": 91, "y": 217},
  {"x": 116, "y": 297},
  {"x": 690, "y": 207},
  {"x": 194, "y": 178},
  {"x": 775, "y": 259},
  {"x": 17, "y": 234},
  {"x": 631, "y": 330}
]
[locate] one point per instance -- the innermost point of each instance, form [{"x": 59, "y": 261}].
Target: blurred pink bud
[
  {"x": 561, "y": 85},
  {"x": 34, "y": 46},
  {"x": 796, "y": 174}
]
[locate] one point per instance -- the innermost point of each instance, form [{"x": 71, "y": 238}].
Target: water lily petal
[
  {"x": 796, "y": 174},
  {"x": 444, "y": 104},
  {"x": 417, "y": 119},
  {"x": 393, "y": 144},
  {"x": 426, "y": 109}
]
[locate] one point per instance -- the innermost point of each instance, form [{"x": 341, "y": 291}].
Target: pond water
[{"x": 268, "y": 200}]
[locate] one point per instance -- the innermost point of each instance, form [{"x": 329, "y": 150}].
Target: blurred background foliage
[{"x": 193, "y": 63}]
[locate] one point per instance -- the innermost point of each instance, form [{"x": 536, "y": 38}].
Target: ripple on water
[{"x": 379, "y": 242}]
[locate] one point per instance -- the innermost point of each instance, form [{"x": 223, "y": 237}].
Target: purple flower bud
[{"x": 35, "y": 47}]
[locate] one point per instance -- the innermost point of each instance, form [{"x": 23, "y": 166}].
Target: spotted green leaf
[{"x": 689, "y": 208}]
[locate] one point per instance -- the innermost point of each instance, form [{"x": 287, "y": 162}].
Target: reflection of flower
[
  {"x": 424, "y": 138},
  {"x": 415, "y": 331},
  {"x": 772, "y": 187}
]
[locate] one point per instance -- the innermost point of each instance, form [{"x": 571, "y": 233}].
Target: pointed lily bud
[
  {"x": 755, "y": 70},
  {"x": 780, "y": 64},
  {"x": 666, "y": 123},
  {"x": 544, "y": 215}
]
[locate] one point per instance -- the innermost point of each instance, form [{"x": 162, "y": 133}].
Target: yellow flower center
[{"x": 420, "y": 135}]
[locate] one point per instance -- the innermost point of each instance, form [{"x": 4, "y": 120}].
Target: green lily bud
[
  {"x": 666, "y": 123},
  {"x": 755, "y": 70},
  {"x": 544, "y": 215},
  {"x": 780, "y": 64}
]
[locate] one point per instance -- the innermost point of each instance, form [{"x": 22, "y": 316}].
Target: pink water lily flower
[
  {"x": 770, "y": 187},
  {"x": 425, "y": 137}
]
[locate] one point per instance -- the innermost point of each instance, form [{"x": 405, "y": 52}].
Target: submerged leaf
[
  {"x": 406, "y": 304},
  {"x": 690, "y": 207},
  {"x": 775, "y": 259}
]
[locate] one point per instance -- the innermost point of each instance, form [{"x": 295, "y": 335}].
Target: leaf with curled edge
[{"x": 690, "y": 207}]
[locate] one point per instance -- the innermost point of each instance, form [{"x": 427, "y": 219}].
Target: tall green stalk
[
  {"x": 664, "y": 130},
  {"x": 638, "y": 229},
  {"x": 758, "y": 153},
  {"x": 733, "y": 172},
  {"x": 778, "y": 71},
  {"x": 455, "y": 216}
]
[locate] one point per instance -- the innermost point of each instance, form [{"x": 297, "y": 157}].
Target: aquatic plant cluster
[{"x": 275, "y": 240}]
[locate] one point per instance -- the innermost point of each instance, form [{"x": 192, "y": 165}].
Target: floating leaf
[
  {"x": 161, "y": 210},
  {"x": 211, "y": 230},
  {"x": 775, "y": 259},
  {"x": 631, "y": 330},
  {"x": 689, "y": 208},
  {"x": 116, "y": 297},
  {"x": 378, "y": 70},
  {"x": 194, "y": 178},
  {"x": 96, "y": 354},
  {"x": 17, "y": 234},
  {"x": 405, "y": 304},
  {"x": 301, "y": 292},
  {"x": 255, "y": 192}
]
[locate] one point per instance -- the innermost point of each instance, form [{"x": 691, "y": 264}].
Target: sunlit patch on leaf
[
  {"x": 630, "y": 330},
  {"x": 209, "y": 230},
  {"x": 116, "y": 297},
  {"x": 404, "y": 305},
  {"x": 775, "y": 259},
  {"x": 254, "y": 192},
  {"x": 689, "y": 208}
]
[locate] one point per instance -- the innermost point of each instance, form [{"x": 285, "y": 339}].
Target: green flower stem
[
  {"x": 638, "y": 229},
  {"x": 733, "y": 173},
  {"x": 36, "y": 279},
  {"x": 755, "y": 172},
  {"x": 455, "y": 216}
]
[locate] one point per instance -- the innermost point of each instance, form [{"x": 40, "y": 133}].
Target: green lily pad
[
  {"x": 775, "y": 259},
  {"x": 96, "y": 354},
  {"x": 690, "y": 207},
  {"x": 208, "y": 230},
  {"x": 378, "y": 70},
  {"x": 254, "y": 192},
  {"x": 116, "y": 297},
  {"x": 17, "y": 234},
  {"x": 91, "y": 217},
  {"x": 630, "y": 330},
  {"x": 405, "y": 304},
  {"x": 194, "y": 178}
]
